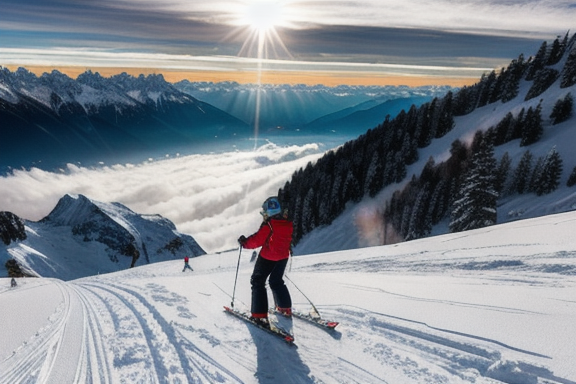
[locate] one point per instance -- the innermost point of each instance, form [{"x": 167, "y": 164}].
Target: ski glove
[{"x": 242, "y": 240}]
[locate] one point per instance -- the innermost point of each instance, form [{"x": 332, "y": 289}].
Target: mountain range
[
  {"x": 51, "y": 120},
  {"x": 298, "y": 107}
]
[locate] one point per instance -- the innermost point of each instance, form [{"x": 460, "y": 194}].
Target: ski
[
  {"x": 273, "y": 329},
  {"x": 316, "y": 320}
]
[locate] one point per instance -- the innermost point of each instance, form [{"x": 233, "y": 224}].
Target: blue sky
[{"x": 443, "y": 38}]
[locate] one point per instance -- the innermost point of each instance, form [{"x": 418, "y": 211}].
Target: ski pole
[
  {"x": 306, "y": 297},
  {"x": 236, "y": 279}
]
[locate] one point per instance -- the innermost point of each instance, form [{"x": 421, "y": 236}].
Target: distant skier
[
  {"x": 13, "y": 283},
  {"x": 186, "y": 265},
  {"x": 275, "y": 238}
]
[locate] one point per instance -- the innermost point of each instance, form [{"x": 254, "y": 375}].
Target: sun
[
  {"x": 258, "y": 24},
  {"x": 263, "y": 16}
]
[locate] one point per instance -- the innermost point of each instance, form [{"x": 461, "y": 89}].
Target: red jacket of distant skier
[{"x": 275, "y": 238}]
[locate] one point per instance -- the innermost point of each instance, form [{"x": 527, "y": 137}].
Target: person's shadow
[{"x": 278, "y": 362}]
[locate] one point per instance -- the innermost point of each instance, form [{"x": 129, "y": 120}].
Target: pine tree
[
  {"x": 502, "y": 172},
  {"x": 475, "y": 205},
  {"x": 436, "y": 208},
  {"x": 399, "y": 167},
  {"x": 420, "y": 224},
  {"x": 351, "y": 189},
  {"x": 486, "y": 87},
  {"x": 374, "y": 176},
  {"x": 464, "y": 100},
  {"x": 535, "y": 178},
  {"x": 516, "y": 126},
  {"x": 562, "y": 110},
  {"x": 445, "y": 118},
  {"x": 309, "y": 209},
  {"x": 336, "y": 204},
  {"x": 572, "y": 178},
  {"x": 542, "y": 81},
  {"x": 569, "y": 70},
  {"x": 502, "y": 133},
  {"x": 556, "y": 51},
  {"x": 514, "y": 73},
  {"x": 532, "y": 126},
  {"x": 521, "y": 178},
  {"x": 538, "y": 62},
  {"x": 424, "y": 124},
  {"x": 551, "y": 172}
]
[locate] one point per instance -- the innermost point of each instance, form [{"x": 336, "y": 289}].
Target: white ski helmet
[{"x": 271, "y": 207}]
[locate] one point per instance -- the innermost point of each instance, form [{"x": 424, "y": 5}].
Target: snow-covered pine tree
[
  {"x": 503, "y": 129},
  {"x": 569, "y": 71},
  {"x": 550, "y": 174},
  {"x": 562, "y": 110},
  {"x": 532, "y": 129},
  {"x": 538, "y": 62},
  {"x": 351, "y": 188},
  {"x": 420, "y": 223},
  {"x": 513, "y": 75},
  {"x": 486, "y": 87},
  {"x": 536, "y": 176},
  {"x": 502, "y": 172},
  {"x": 445, "y": 118},
  {"x": 557, "y": 50},
  {"x": 543, "y": 79},
  {"x": 309, "y": 210},
  {"x": 475, "y": 205},
  {"x": 374, "y": 176}
]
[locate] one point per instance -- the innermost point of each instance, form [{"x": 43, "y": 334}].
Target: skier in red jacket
[
  {"x": 275, "y": 238},
  {"x": 186, "y": 265}
]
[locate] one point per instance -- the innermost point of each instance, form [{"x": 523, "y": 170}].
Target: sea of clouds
[{"x": 213, "y": 197}]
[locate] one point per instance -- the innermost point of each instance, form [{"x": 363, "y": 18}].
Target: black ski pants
[{"x": 263, "y": 269}]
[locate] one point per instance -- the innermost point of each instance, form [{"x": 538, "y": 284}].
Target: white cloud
[
  {"x": 510, "y": 17},
  {"x": 215, "y": 197}
]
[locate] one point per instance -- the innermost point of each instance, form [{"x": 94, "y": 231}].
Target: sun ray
[{"x": 258, "y": 20}]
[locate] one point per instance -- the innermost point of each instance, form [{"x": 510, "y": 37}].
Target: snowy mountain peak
[
  {"x": 90, "y": 88},
  {"x": 72, "y": 210},
  {"x": 82, "y": 237}
]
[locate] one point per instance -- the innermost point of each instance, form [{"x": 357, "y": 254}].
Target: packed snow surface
[{"x": 486, "y": 306}]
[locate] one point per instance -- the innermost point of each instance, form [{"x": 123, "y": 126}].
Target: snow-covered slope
[{"x": 488, "y": 306}]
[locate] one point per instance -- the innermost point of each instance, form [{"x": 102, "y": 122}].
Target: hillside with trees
[{"x": 473, "y": 176}]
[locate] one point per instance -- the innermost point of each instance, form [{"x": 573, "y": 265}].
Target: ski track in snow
[{"x": 112, "y": 332}]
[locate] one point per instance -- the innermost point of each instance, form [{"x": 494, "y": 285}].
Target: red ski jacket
[{"x": 275, "y": 238}]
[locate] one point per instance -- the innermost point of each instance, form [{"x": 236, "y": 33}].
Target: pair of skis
[{"x": 272, "y": 328}]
